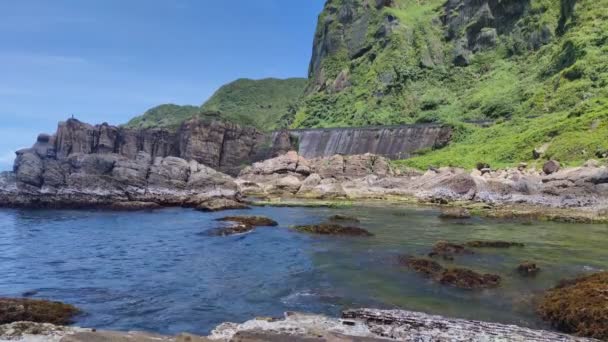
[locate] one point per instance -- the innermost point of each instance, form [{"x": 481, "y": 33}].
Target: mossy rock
[
  {"x": 332, "y": 229},
  {"x": 252, "y": 221},
  {"x": 468, "y": 279},
  {"x": 425, "y": 266},
  {"x": 447, "y": 250},
  {"x": 579, "y": 306},
  {"x": 38, "y": 311}
]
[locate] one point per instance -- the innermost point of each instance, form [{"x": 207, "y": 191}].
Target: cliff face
[
  {"x": 212, "y": 143},
  {"x": 398, "y": 142}
]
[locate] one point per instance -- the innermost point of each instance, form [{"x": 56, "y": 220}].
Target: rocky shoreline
[{"x": 354, "y": 325}]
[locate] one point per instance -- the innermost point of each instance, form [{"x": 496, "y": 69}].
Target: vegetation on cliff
[
  {"x": 258, "y": 103},
  {"x": 538, "y": 69}
]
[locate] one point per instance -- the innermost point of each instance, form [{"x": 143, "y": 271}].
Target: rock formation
[
  {"x": 84, "y": 165},
  {"x": 369, "y": 176}
]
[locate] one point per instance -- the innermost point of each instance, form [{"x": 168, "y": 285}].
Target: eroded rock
[{"x": 38, "y": 311}]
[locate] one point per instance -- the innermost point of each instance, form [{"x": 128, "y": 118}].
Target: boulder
[
  {"x": 29, "y": 168},
  {"x": 550, "y": 167}
]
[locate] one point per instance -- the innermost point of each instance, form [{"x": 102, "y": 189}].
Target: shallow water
[{"x": 157, "y": 271}]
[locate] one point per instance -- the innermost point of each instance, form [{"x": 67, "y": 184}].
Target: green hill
[
  {"x": 537, "y": 68},
  {"x": 259, "y": 103}
]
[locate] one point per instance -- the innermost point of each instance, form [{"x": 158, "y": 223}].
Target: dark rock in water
[
  {"x": 467, "y": 279},
  {"x": 447, "y": 250},
  {"x": 29, "y": 293},
  {"x": 528, "y": 269},
  {"x": 218, "y": 204},
  {"x": 344, "y": 218},
  {"x": 253, "y": 221},
  {"x": 236, "y": 228},
  {"x": 425, "y": 266},
  {"x": 455, "y": 213},
  {"x": 333, "y": 229},
  {"x": 493, "y": 244},
  {"x": 579, "y": 306},
  {"x": 39, "y": 311},
  {"x": 550, "y": 167}
]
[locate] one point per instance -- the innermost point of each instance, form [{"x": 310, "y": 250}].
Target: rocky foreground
[{"x": 355, "y": 325}]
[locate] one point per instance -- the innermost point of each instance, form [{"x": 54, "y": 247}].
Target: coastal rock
[
  {"x": 425, "y": 266},
  {"x": 579, "y": 306},
  {"x": 468, "y": 279},
  {"x": 447, "y": 250},
  {"x": 253, "y": 221},
  {"x": 218, "y": 204},
  {"x": 455, "y": 213},
  {"x": 333, "y": 229},
  {"x": 38, "y": 311},
  {"x": 493, "y": 244}
]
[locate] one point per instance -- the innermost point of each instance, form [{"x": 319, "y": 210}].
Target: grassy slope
[
  {"x": 557, "y": 94},
  {"x": 259, "y": 103}
]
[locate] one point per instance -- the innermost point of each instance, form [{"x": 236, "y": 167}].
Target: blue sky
[{"x": 109, "y": 60}]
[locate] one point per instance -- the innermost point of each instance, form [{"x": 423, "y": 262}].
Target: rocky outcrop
[
  {"x": 371, "y": 177},
  {"x": 365, "y": 325},
  {"x": 216, "y": 144},
  {"x": 80, "y": 168}
]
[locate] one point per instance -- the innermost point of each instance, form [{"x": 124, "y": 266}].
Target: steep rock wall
[{"x": 396, "y": 142}]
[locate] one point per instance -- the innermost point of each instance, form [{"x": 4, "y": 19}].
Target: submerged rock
[
  {"x": 333, "y": 229},
  {"x": 425, "y": 266},
  {"x": 455, "y": 213},
  {"x": 579, "y": 306},
  {"x": 467, "y": 279},
  {"x": 39, "y": 311},
  {"x": 344, "y": 218},
  {"x": 253, "y": 221},
  {"x": 235, "y": 229},
  {"x": 528, "y": 269},
  {"x": 493, "y": 244},
  {"x": 447, "y": 250}
]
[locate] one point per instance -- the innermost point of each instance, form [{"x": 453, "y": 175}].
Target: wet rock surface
[
  {"x": 253, "y": 221},
  {"x": 343, "y": 218},
  {"x": 39, "y": 311},
  {"x": 455, "y": 214},
  {"x": 468, "y": 279},
  {"x": 421, "y": 265},
  {"x": 579, "y": 306},
  {"x": 448, "y": 250},
  {"x": 332, "y": 229}
]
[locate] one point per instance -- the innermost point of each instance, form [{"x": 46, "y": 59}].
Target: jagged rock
[
  {"x": 551, "y": 166},
  {"x": 29, "y": 168}
]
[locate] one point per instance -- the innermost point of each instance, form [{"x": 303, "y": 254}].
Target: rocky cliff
[{"x": 535, "y": 67}]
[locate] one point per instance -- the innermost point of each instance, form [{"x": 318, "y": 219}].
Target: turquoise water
[{"x": 158, "y": 271}]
